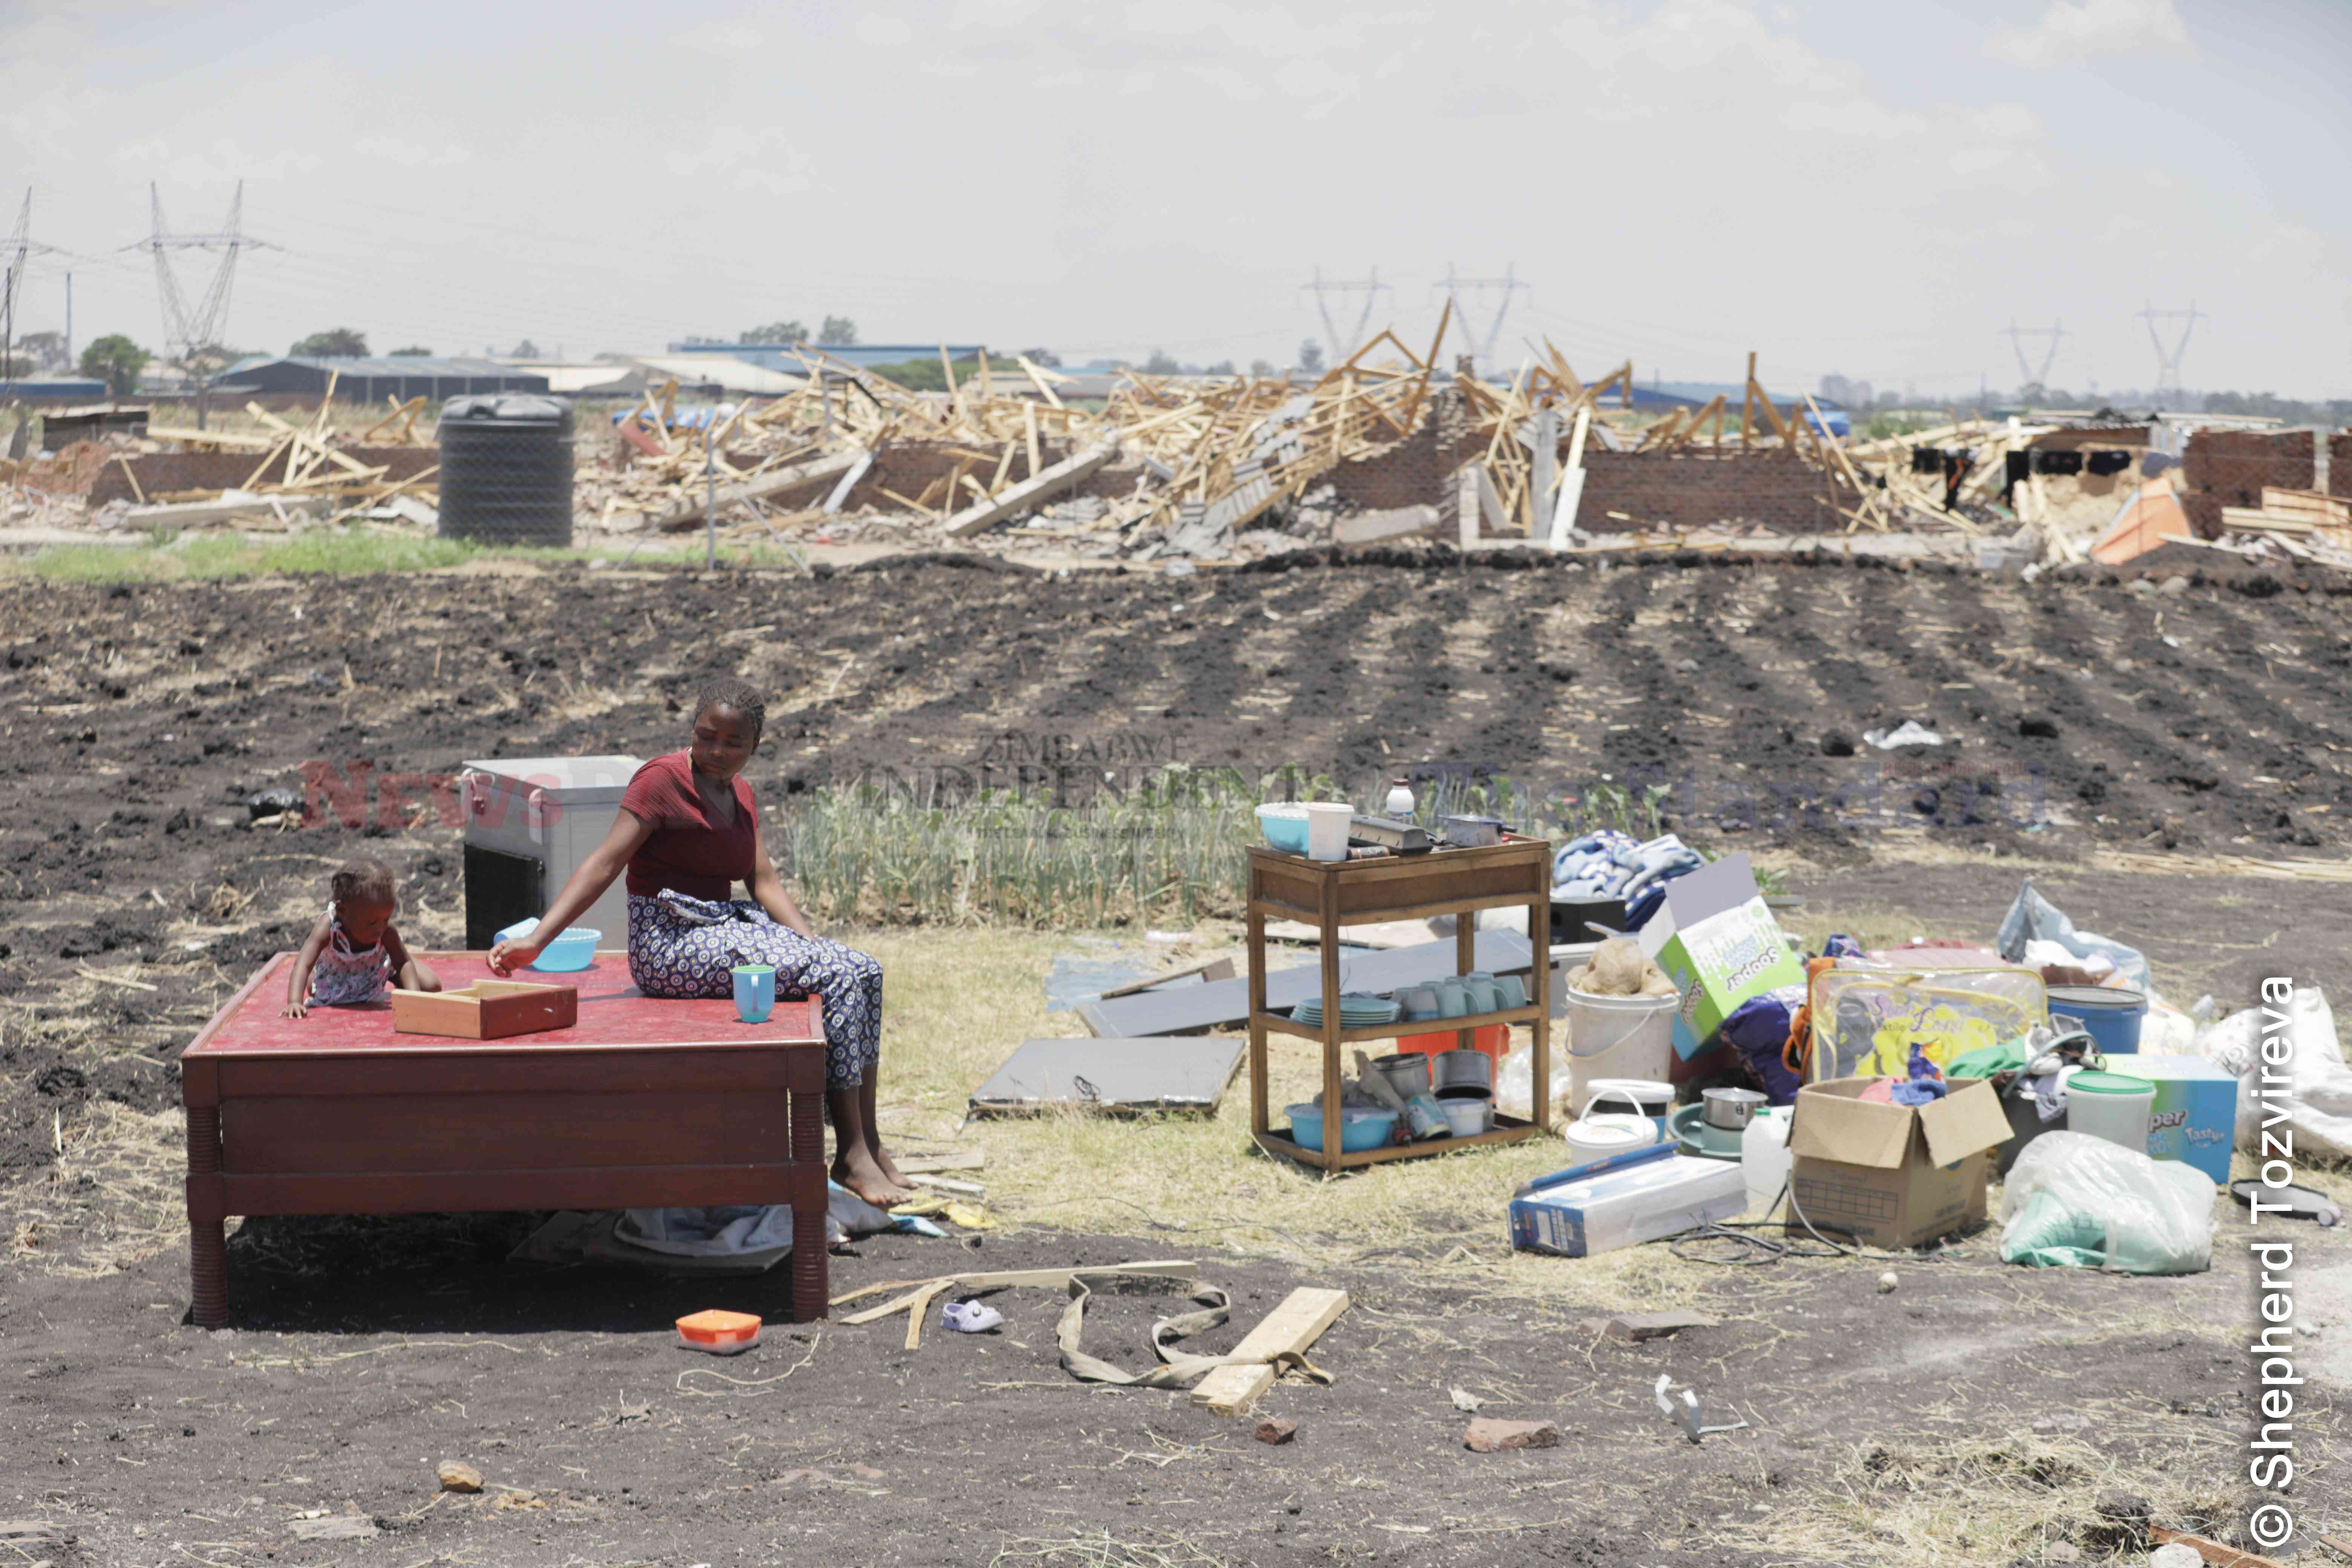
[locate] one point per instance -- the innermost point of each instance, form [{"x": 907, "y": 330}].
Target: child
[{"x": 353, "y": 948}]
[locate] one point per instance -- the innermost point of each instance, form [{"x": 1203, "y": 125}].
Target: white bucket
[
  {"x": 2120, "y": 1119},
  {"x": 1599, "y": 1134},
  {"x": 1652, "y": 1098},
  {"x": 1326, "y": 829},
  {"x": 1618, "y": 1036}
]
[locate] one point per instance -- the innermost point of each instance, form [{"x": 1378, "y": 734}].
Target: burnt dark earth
[{"x": 140, "y": 718}]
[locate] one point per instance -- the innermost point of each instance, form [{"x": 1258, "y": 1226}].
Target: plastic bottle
[
  {"x": 1764, "y": 1157},
  {"x": 1400, "y": 802}
]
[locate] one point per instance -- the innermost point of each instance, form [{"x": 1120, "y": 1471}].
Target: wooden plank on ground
[
  {"x": 990, "y": 511},
  {"x": 687, "y": 513},
  {"x": 1290, "y": 1329}
]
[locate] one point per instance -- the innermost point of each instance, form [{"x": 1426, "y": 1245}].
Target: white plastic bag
[
  {"x": 2076, "y": 1201},
  {"x": 2317, "y": 1103}
]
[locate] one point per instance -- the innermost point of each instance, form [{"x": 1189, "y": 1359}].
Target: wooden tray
[{"x": 486, "y": 1010}]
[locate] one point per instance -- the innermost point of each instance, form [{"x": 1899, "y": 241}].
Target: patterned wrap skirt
[{"x": 686, "y": 948}]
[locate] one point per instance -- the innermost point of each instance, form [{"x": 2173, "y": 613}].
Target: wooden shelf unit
[{"x": 1332, "y": 895}]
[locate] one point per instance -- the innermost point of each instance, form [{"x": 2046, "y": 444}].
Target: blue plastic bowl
[
  {"x": 576, "y": 949},
  {"x": 1284, "y": 825},
  {"x": 1360, "y": 1128}
]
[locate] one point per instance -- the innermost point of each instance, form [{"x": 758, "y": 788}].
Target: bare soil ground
[{"x": 1968, "y": 1416}]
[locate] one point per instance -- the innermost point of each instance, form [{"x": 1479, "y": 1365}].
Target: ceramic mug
[
  {"x": 1513, "y": 989},
  {"x": 1480, "y": 989},
  {"x": 1452, "y": 999},
  {"x": 755, "y": 992},
  {"x": 1418, "y": 1002}
]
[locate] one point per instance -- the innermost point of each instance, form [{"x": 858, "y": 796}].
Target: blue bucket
[{"x": 2108, "y": 1014}]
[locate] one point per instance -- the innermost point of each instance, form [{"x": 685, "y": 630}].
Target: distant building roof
[
  {"x": 724, "y": 372},
  {"x": 373, "y": 365},
  {"x": 780, "y": 356},
  {"x": 66, "y": 387}
]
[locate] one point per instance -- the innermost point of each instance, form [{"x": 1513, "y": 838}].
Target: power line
[
  {"x": 1507, "y": 284},
  {"x": 2027, "y": 375},
  {"x": 197, "y": 330},
  {"x": 20, "y": 248},
  {"x": 2167, "y": 361},
  {"x": 1322, "y": 288}
]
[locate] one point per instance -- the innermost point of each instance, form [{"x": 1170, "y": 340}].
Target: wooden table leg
[
  {"x": 1539, "y": 942},
  {"x": 1261, "y": 1114},
  {"x": 807, "y": 1149},
  {"x": 1335, "y": 1117},
  {"x": 207, "y": 1244}
]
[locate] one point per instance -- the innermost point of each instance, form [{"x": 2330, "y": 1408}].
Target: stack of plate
[{"x": 1358, "y": 1009}]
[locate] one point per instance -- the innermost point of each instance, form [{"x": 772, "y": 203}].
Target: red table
[{"x": 642, "y": 1104}]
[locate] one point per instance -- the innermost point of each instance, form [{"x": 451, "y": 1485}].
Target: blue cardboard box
[{"x": 2195, "y": 1117}]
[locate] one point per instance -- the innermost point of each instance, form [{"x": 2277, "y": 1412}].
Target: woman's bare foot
[
  {"x": 857, "y": 1169},
  {"x": 887, "y": 1166}
]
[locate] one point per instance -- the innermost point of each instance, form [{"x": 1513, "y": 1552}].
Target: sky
[{"x": 1874, "y": 188}]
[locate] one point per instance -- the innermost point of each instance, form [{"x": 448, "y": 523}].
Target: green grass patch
[
  {"x": 1170, "y": 848},
  {"x": 210, "y": 557}
]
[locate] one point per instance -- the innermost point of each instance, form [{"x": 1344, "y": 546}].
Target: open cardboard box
[
  {"x": 486, "y": 1010},
  {"x": 1893, "y": 1175},
  {"x": 1720, "y": 944}
]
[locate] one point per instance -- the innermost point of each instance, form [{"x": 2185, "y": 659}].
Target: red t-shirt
[{"x": 688, "y": 851}]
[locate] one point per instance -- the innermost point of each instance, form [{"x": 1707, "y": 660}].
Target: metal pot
[
  {"x": 1406, "y": 1072},
  {"x": 1465, "y": 1069},
  {"x": 1731, "y": 1109}
]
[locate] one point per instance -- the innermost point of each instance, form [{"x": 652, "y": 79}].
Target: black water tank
[{"x": 506, "y": 468}]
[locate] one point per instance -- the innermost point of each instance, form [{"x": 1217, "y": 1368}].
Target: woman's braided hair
[{"x": 727, "y": 692}]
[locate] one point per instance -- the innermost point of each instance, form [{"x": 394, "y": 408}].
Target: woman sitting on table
[{"x": 687, "y": 831}]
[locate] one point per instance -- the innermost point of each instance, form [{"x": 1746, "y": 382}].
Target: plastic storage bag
[
  {"x": 1867, "y": 1017},
  {"x": 2079, "y": 1202}
]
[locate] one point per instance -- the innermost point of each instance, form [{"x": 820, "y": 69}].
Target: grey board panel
[
  {"x": 1225, "y": 1004},
  {"x": 1118, "y": 1075}
]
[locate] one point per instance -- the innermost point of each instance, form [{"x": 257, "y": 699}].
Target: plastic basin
[
  {"x": 1285, "y": 826},
  {"x": 1360, "y": 1128},
  {"x": 576, "y": 949}
]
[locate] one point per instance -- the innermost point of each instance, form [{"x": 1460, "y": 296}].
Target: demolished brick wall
[
  {"x": 1415, "y": 471},
  {"x": 2233, "y": 466},
  {"x": 2339, "y": 463},
  {"x": 1677, "y": 489},
  {"x": 1694, "y": 489},
  {"x": 164, "y": 473}
]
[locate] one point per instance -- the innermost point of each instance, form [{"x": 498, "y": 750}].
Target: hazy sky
[{"x": 1874, "y": 187}]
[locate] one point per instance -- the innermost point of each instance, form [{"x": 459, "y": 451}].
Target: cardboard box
[
  {"x": 1637, "y": 1201},
  {"x": 1720, "y": 945},
  {"x": 1893, "y": 1175},
  {"x": 2195, "y": 1119}
]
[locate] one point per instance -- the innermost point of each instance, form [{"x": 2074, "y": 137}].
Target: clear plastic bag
[
  {"x": 1514, "y": 1083},
  {"x": 2079, "y": 1202},
  {"x": 1868, "y": 1017}
]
